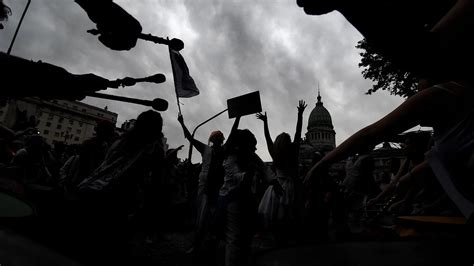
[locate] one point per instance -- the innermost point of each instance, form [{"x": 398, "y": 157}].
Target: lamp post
[
  {"x": 18, "y": 27},
  {"x": 194, "y": 132}
]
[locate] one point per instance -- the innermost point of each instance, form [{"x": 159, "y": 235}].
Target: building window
[
  {"x": 50, "y": 117},
  {"x": 61, "y": 120},
  {"x": 69, "y": 129},
  {"x": 48, "y": 124},
  {"x": 71, "y": 122},
  {"x": 76, "y": 139},
  {"x": 58, "y": 127},
  {"x": 46, "y": 132},
  {"x": 80, "y": 124},
  {"x": 78, "y": 131},
  {"x": 56, "y": 134},
  {"x": 1, "y": 112},
  {"x": 100, "y": 115}
]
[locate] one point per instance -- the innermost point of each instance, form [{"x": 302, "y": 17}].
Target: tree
[{"x": 386, "y": 75}]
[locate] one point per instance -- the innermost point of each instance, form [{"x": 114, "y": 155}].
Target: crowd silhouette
[{"x": 99, "y": 202}]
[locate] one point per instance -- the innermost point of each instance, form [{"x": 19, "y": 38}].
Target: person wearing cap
[{"x": 210, "y": 179}]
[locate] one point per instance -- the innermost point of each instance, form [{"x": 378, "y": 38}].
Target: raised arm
[
  {"x": 407, "y": 115},
  {"x": 418, "y": 171},
  {"x": 268, "y": 138},
  {"x": 196, "y": 143},
  {"x": 391, "y": 187},
  {"x": 299, "y": 124},
  {"x": 235, "y": 126}
]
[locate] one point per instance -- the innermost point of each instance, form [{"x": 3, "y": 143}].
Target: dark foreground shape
[{"x": 432, "y": 253}]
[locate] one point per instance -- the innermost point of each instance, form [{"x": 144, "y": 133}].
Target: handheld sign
[{"x": 244, "y": 105}]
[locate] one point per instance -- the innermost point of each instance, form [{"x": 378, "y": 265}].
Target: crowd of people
[
  {"x": 85, "y": 198},
  {"x": 112, "y": 184}
]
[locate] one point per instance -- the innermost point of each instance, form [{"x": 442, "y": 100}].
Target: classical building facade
[
  {"x": 320, "y": 139},
  {"x": 70, "y": 122},
  {"x": 320, "y": 136}
]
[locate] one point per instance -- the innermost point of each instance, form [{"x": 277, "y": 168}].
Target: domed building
[
  {"x": 320, "y": 137},
  {"x": 321, "y": 134}
]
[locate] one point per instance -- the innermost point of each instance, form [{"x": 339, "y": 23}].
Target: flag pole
[{"x": 174, "y": 78}]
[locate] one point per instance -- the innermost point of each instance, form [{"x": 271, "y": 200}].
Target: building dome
[
  {"x": 319, "y": 117},
  {"x": 320, "y": 137}
]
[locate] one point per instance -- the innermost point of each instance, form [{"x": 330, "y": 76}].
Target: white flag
[{"x": 183, "y": 82}]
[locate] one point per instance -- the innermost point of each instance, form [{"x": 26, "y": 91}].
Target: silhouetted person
[
  {"x": 211, "y": 179},
  {"x": 415, "y": 147},
  {"x": 359, "y": 184},
  {"x": 33, "y": 162},
  {"x": 163, "y": 191},
  {"x": 6, "y": 137},
  {"x": 91, "y": 154},
  {"x": 284, "y": 153},
  {"x": 237, "y": 195},
  {"x": 316, "y": 209},
  {"x": 438, "y": 50},
  {"x": 110, "y": 192}
]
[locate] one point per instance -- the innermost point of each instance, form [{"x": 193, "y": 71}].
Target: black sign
[{"x": 244, "y": 105}]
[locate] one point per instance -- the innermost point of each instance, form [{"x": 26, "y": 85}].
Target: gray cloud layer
[{"x": 231, "y": 48}]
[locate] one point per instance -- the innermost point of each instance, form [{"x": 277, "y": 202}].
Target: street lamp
[{"x": 194, "y": 132}]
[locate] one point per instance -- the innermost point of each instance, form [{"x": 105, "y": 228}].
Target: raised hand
[
  {"x": 262, "y": 116},
  {"x": 301, "y": 106}
]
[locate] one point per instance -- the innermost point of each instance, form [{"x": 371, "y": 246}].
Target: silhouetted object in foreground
[
  {"x": 157, "y": 103},
  {"x": 22, "y": 77},
  {"x": 431, "y": 39},
  {"x": 244, "y": 105},
  {"x": 117, "y": 29},
  {"x": 5, "y": 11},
  {"x": 434, "y": 40},
  {"x": 174, "y": 44}
]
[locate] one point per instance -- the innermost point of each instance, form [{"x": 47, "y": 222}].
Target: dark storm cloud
[{"x": 231, "y": 48}]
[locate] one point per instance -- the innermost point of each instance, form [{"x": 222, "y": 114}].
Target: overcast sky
[{"x": 231, "y": 48}]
